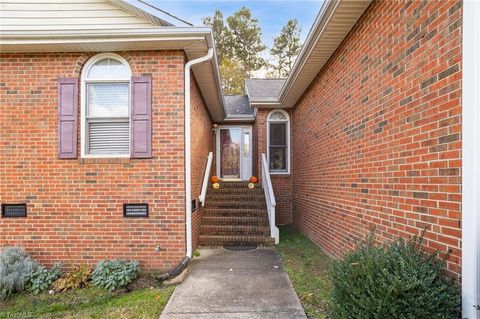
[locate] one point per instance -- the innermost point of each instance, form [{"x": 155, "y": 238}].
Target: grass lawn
[
  {"x": 308, "y": 268},
  {"x": 88, "y": 303}
]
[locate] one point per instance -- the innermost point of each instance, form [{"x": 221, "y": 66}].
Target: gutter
[
  {"x": 87, "y": 36},
  {"x": 188, "y": 162}
]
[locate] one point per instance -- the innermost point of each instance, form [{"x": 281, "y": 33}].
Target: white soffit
[{"x": 335, "y": 20}]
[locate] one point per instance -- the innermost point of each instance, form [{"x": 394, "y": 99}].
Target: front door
[{"x": 234, "y": 152}]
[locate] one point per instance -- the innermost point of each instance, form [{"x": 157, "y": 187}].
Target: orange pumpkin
[
  {"x": 253, "y": 179},
  {"x": 214, "y": 179}
]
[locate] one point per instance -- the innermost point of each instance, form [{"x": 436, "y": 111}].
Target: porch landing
[{"x": 231, "y": 285}]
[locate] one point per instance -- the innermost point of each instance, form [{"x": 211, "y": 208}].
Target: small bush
[
  {"x": 76, "y": 279},
  {"x": 395, "y": 281},
  {"x": 42, "y": 278},
  {"x": 15, "y": 267},
  {"x": 112, "y": 274}
]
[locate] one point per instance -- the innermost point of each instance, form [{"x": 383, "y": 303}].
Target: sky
[{"x": 271, "y": 14}]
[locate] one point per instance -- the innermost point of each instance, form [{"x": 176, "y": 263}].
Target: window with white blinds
[{"x": 107, "y": 108}]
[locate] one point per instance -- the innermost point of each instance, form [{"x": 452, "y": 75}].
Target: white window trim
[
  {"x": 83, "y": 102},
  {"x": 287, "y": 172}
]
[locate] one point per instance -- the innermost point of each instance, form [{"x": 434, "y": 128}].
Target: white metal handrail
[
  {"x": 270, "y": 198},
  {"x": 208, "y": 168}
]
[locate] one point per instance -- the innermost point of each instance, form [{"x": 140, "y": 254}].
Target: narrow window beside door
[{"x": 278, "y": 141}]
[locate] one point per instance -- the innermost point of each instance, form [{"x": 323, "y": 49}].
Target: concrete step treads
[
  {"x": 220, "y": 240},
  {"x": 235, "y": 212},
  {"x": 234, "y": 204},
  {"x": 235, "y": 230},
  {"x": 237, "y": 197},
  {"x": 246, "y": 192},
  {"x": 236, "y": 185},
  {"x": 234, "y": 220}
]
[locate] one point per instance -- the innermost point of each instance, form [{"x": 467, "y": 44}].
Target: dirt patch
[{"x": 145, "y": 280}]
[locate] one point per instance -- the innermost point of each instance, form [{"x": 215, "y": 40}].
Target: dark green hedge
[{"x": 398, "y": 280}]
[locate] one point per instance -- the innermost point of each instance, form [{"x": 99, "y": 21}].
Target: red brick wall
[
  {"x": 75, "y": 206},
  {"x": 377, "y": 134},
  {"x": 282, "y": 184},
  {"x": 201, "y": 145}
]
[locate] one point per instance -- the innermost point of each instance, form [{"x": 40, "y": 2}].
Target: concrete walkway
[{"x": 226, "y": 284}]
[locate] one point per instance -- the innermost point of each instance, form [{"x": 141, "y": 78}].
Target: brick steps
[
  {"x": 220, "y": 229},
  {"x": 235, "y": 191},
  {"x": 220, "y": 240},
  {"x": 234, "y": 220},
  {"x": 247, "y": 212},
  {"x": 255, "y": 204},
  {"x": 235, "y": 215},
  {"x": 236, "y": 185},
  {"x": 236, "y": 197}
]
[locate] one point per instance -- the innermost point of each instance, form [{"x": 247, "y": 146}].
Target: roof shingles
[
  {"x": 238, "y": 105},
  {"x": 263, "y": 89}
]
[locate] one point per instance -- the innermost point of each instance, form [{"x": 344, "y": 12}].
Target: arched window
[
  {"x": 278, "y": 135},
  {"x": 106, "y": 106}
]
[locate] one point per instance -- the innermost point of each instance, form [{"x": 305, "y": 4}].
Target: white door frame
[
  {"x": 471, "y": 160},
  {"x": 217, "y": 148}
]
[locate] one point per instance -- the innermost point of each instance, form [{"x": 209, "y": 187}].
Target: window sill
[
  {"x": 105, "y": 159},
  {"x": 105, "y": 156},
  {"x": 280, "y": 174}
]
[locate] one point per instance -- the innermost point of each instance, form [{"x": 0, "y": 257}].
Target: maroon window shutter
[
  {"x": 67, "y": 117},
  {"x": 141, "y": 117}
]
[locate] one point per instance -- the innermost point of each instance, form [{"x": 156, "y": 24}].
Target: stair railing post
[
  {"x": 203, "y": 193},
  {"x": 270, "y": 199}
]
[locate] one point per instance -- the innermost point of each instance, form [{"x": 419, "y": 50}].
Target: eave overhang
[
  {"x": 194, "y": 41},
  {"x": 335, "y": 19}
]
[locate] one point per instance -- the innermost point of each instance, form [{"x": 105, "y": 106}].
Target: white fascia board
[
  {"x": 266, "y": 104},
  {"x": 326, "y": 11},
  {"x": 239, "y": 118}
]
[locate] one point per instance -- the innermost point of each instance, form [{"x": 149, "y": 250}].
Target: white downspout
[
  {"x": 188, "y": 164},
  {"x": 471, "y": 161}
]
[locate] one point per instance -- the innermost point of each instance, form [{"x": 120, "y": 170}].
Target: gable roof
[
  {"x": 108, "y": 25},
  {"x": 34, "y": 15},
  {"x": 333, "y": 22},
  {"x": 263, "y": 90},
  {"x": 238, "y": 106},
  {"x": 144, "y": 8}
]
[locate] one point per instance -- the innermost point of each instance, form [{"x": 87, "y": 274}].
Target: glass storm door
[
  {"x": 230, "y": 150},
  {"x": 234, "y": 153}
]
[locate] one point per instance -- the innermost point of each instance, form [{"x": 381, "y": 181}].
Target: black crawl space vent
[
  {"x": 14, "y": 210},
  {"x": 135, "y": 210}
]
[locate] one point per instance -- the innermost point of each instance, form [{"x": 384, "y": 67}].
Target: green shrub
[
  {"x": 15, "y": 267},
  {"x": 112, "y": 274},
  {"x": 395, "y": 281},
  {"x": 42, "y": 278},
  {"x": 78, "y": 278}
]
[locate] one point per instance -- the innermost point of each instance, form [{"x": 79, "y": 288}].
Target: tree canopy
[
  {"x": 239, "y": 46},
  {"x": 286, "y": 47}
]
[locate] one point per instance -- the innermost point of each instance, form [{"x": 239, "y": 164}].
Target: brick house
[{"x": 114, "y": 119}]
